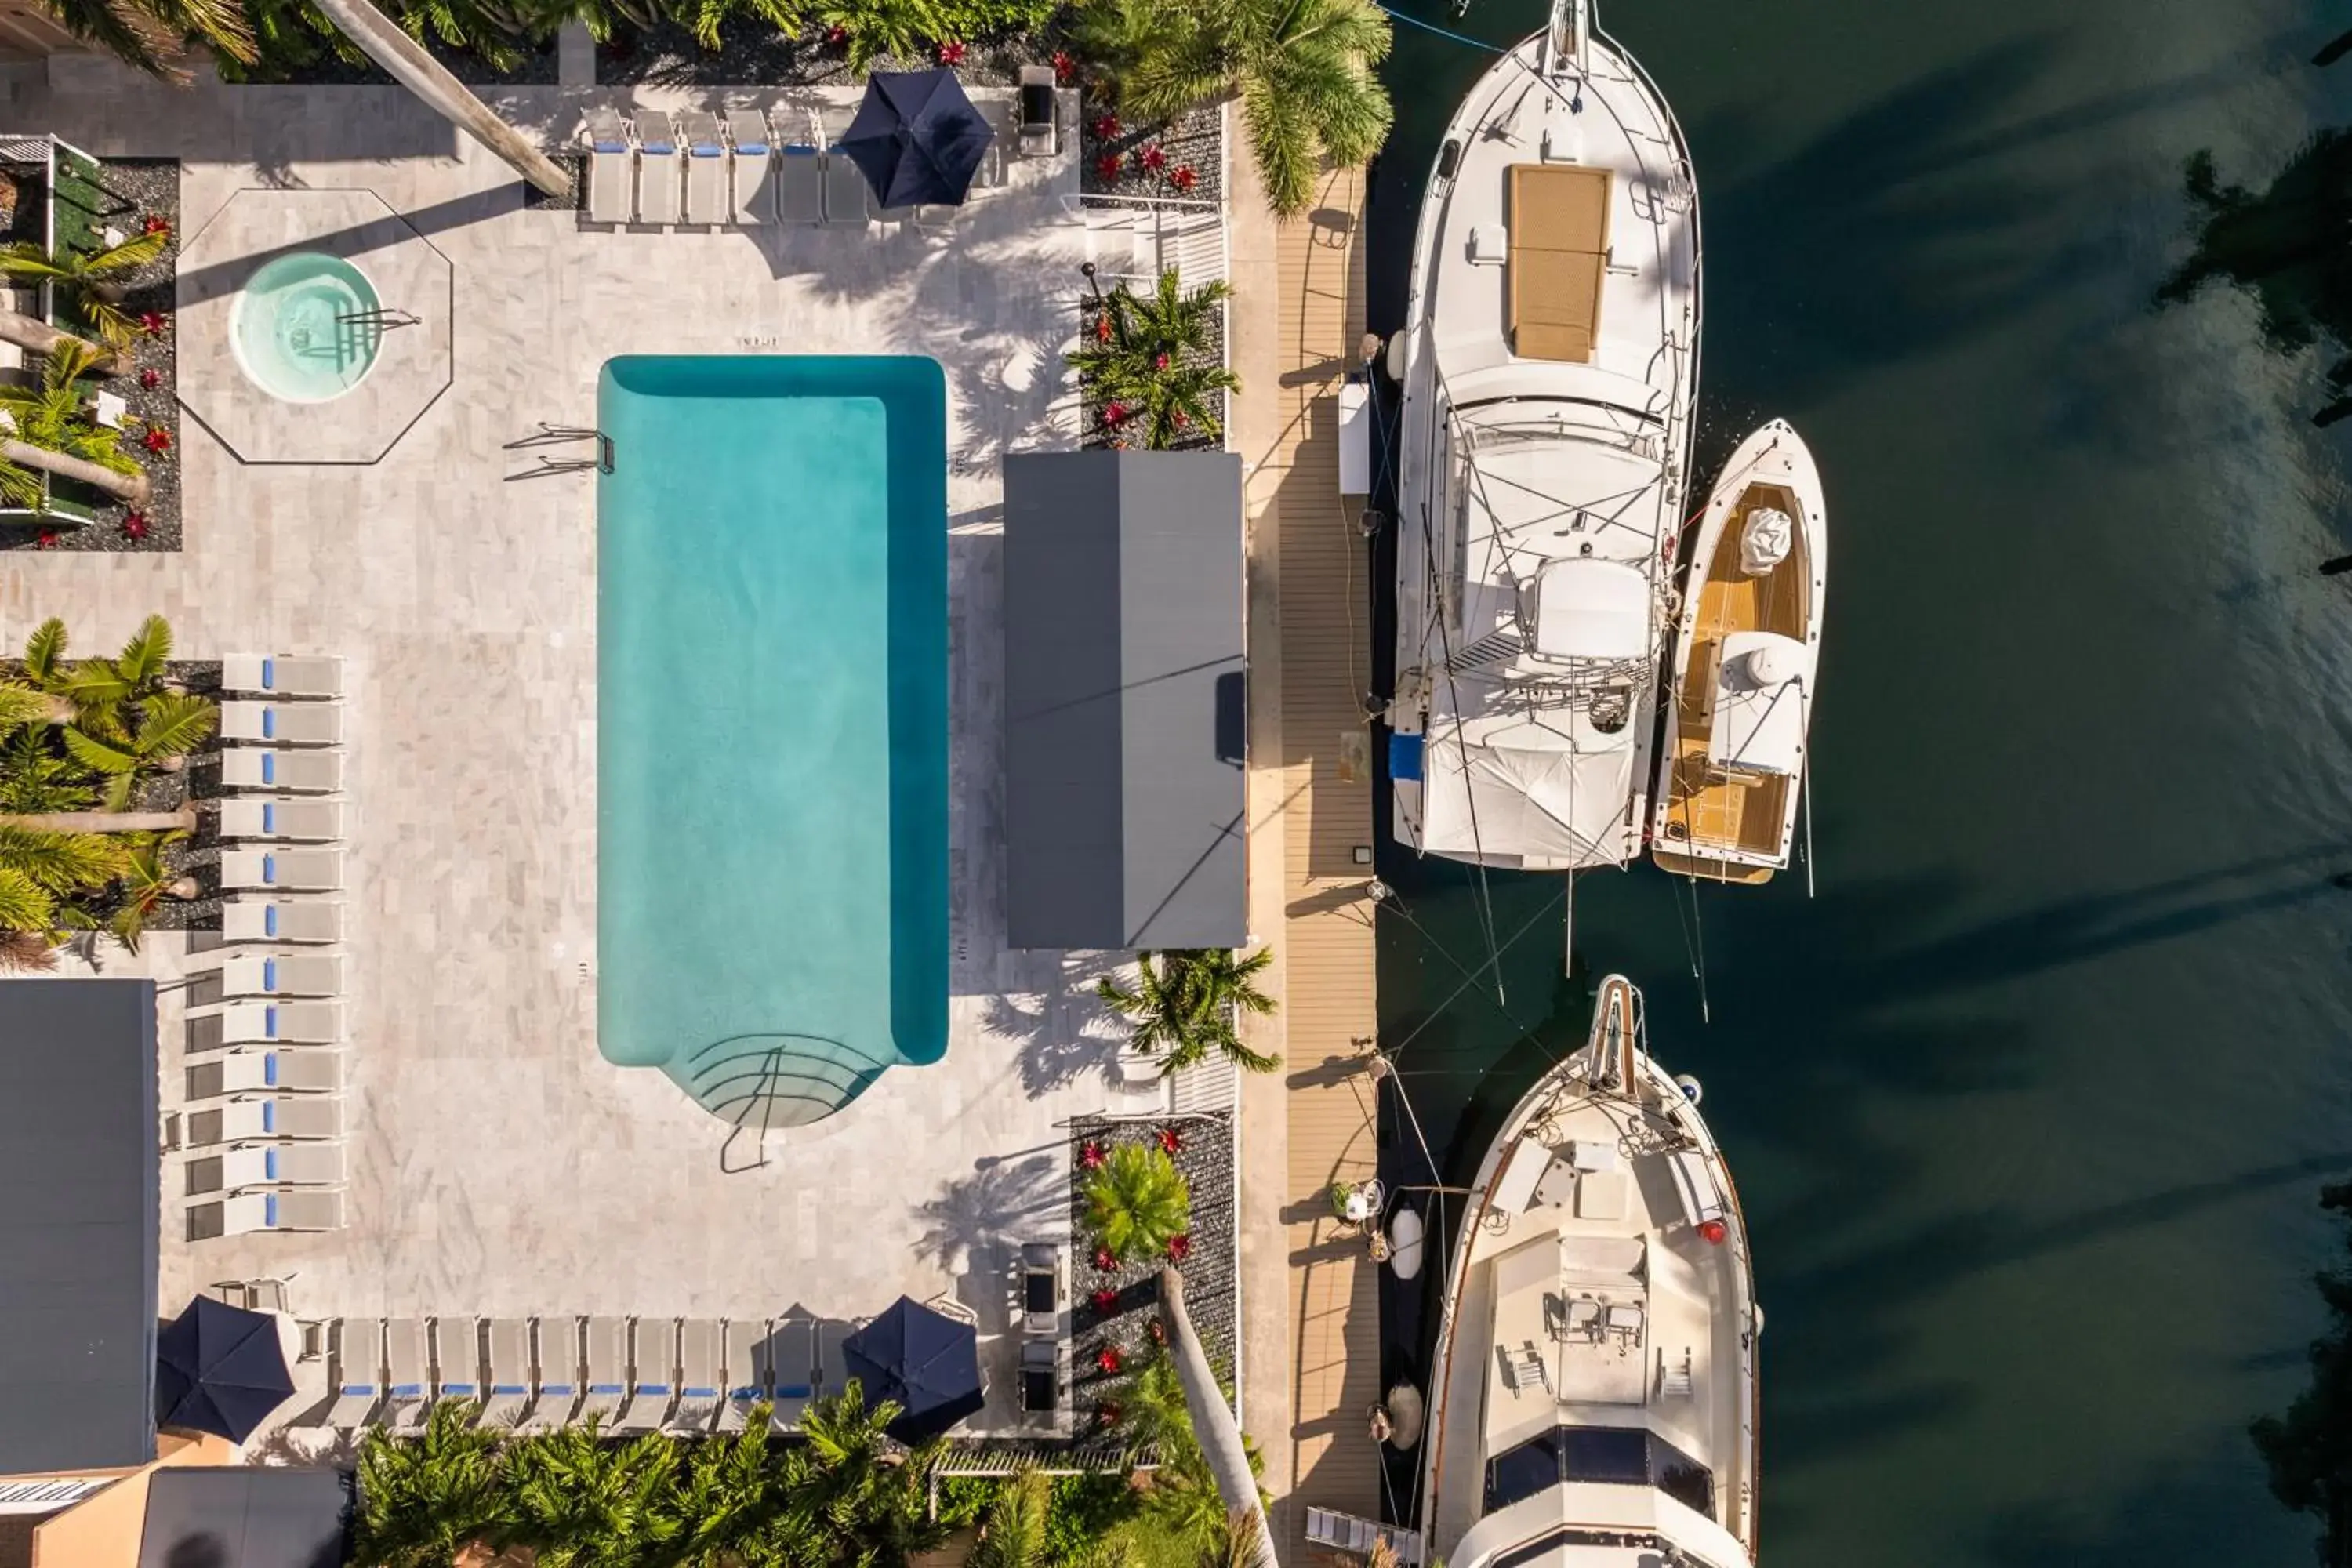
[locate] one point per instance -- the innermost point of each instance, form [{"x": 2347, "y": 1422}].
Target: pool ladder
[{"x": 560, "y": 434}]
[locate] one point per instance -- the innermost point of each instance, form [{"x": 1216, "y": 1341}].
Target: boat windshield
[{"x": 1610, "y": 1456}]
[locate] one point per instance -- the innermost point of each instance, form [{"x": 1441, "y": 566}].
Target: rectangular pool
[{"x": 771, "y": 725}]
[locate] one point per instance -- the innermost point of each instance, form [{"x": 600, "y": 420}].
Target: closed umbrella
[
  {"x": 219, "y": 1369},
  {"x": 918, "y": 139},
  {"x": 925, "y": 1361}
]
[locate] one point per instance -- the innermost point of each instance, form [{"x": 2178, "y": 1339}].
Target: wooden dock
[{"x": 1300, "y": 319}]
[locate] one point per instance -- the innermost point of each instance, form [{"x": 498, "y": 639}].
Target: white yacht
[
  {"x": 1593, "y": 1398},
  {"x": 1549, "y": 364}
]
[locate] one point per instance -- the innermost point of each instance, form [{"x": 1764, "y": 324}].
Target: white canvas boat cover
[
  {"x": 1759, "y": 704},
  {"x": 1587, "y": 607},
  {"x": 1765, "y": 539},
  {"x": 1560, "y": 806}
]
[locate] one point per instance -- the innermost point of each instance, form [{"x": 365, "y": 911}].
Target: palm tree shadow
[
  {"x": 1066, "y": 1032},
  {"x": 1001, "y": 1204}
]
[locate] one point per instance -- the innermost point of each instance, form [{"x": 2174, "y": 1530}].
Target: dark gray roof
[
  {"x": 1123, "y": 671},
  {"x": 78, "y": 1230},
  {"x": 246, "y": 1517}
]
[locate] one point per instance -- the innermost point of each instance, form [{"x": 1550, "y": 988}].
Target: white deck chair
[
  {"x": 314, "y": 1208},
  {"x": 657, "y": 176},
  {"x": 845, "y": 191},
  {"x": 457, "y": 1359},
  {"x": 832, "y": 1366},
  {"x": 302, "y": 1071},
  {"x": 747, "y": 1373},
  {"x": 608, "y": 1369},
  {"x": 510, "y": 1371},
  {"x": 708, "y": 190},
  {"x": 279, "y": 1022},
  {"x": 281, "y": 768},
  {"x": 653, "y": 1384},
  {"x": 407, "y": 1372},
  {"x": 612, "y": 167},
  {"x": 698, "y": 1364},
  {"x": 558, "y": 1343},
  {"x": 282, "y": 920},
  {"x": 791, "y": 1350},
  {"x": 258, "y": 1121},
  {"x": 282, "y": 870},
  {"x": 800, "y": 169},
  {"x": 282, "y": 723},
  {"x": 355, "y": 1370},
  {"x": 276, "y": 675},
  {"x": 274, "y": 1166},
  {"x": 753, "y": 184},
  {"x": 316, "y": 821},
  {"x": 299, "y": 974}
]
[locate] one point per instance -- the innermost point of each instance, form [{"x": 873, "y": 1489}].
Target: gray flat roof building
[
  {"x": 1124, "y": 788},
  {"x": 77, "y": 1233},
  {"x": 247, "y": 1517}
]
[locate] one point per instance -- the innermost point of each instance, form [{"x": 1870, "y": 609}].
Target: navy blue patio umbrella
[
  {"x": 917, "y": 138},
  {"x": 925, "y": 1361},
  {"x": 219, "y": 1369}
]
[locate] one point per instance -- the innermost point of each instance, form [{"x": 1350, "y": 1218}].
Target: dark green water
[{"x": 2030, "y": 1105}]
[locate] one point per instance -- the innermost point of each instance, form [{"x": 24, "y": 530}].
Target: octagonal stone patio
[{"x": 412, "y": 365}]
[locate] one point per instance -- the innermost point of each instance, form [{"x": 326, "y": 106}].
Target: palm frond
[
  {"x": 173, "y": 724},
  {"x": 44, "y": 651},
  {"x": 126, "y": 254},
  {"x": 63, "y": 863},
  {"x": 98, "y": 756},
  {"x": 125, "y": 31},
  {"x": 21, "y": 707},
  {"x": 143, "y": 658},
  {"x": 24, "y": 904}
]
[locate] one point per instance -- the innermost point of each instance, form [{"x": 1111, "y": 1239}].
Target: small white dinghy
[{"x": 1747, "y": 648}]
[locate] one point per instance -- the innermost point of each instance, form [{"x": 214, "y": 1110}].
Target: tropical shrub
[
  {"x": 89, "y": 284},
  {"x": 1187, "y": 1005},
  {"x": 1149, "y": 362},
  {"x": 1137, "y": 1203},
  {"x": 51, "y": 417},
  {"x": 152, "y": 35}
]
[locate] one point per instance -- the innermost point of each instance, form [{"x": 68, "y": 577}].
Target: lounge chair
[
  {"x": 793, "y": 1351},
  {"x": 653, "y": 1386},
  {"x": 747, "y": 1386},
  {"x": 612, "y": 166},
  {"x": 302, "y": 974},
  {"x": 658, "y": 178},
  {"x": 282, "y": 920},
  {"x": 282, "y": 723},
  {"x": 1044, "y": 1383},
  {"x": 408, "y": 1373},
  {"x": 558, "y": 1340},
  {"x": 275, "y": 674},
  {"x": 457, "y": 1359},
  {"x": 281, "y": 768},
  {"x": 319, "y": 821},
  {"x": 355, "y": 1370},
  {"x": 266, "y": 1072},
  {"x": 608, "y": 1369},
  {"x": 275, "y": 1023},
  {"x": 1040, "y": 1289},
  {"x": 800, "y": 174},
  {"x": 709, "y": 192},
  {"x": 1040, "y": 134},
  {"x": 256, "y": 1120},
  {"x": 845, "y": 190},
  {"x": 509, "y": 1372},
  {"x": 832, "y": 1364},
  {"x": 317, "y": 1208},
  {"x": 274, "y": 1166},
  {"x": 755, "y": 166},
  {"x": 282, "y": 870},
  {"x": 698, "y": 1364}
]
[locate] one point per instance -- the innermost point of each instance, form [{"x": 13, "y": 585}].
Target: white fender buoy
[
  {"x": 1755, "y": 1317},
  {"x": 1692, "y": 1089},
  {"x": 1406, "y": 1418},
  {"x": 1393, "y": 359},
  {"x": 1404, "y": 1244}
]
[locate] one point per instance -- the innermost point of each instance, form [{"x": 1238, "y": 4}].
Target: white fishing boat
[
  {"x": 1749, "y": 644},
  {"x": 1593, "y": 1399},
  {"x": 1549, "y": 364}
]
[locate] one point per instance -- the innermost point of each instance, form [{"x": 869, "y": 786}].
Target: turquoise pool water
[
  {"x": 295, "y": 328},
  {"x": 771, "y": 726}
]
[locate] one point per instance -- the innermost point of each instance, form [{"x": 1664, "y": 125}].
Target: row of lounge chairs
[{"x": 629, "y": 1375}]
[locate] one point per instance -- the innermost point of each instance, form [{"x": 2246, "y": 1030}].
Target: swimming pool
[{"x": 771, "y": 726}]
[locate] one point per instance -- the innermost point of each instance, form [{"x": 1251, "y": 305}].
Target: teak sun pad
[{"x": 1559, "y": 251}]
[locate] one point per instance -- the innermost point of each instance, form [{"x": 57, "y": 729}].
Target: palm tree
[
  {"x": 423, "y": 1501},
  {"x": 579, "y": 1502},
  {"x": 728, "y": 1499},
  {"x": 121, "y": 721},
  {"x": 1138, "y": 1202},
  {"x": 1302, "y": 71},
  {"x": 1015, "y": 1535},
  {"x": 147, "y": 880},
  {"x": 43, "y": 876},
  {"x": 149, "y": 35},
  {"x": 1224, "y": 1452},
  {"x": 36, "y": 336},
  {"x": 1189, "y": 1002},
  {"x": 93, "y": 282},
  {"x": 849, "y": 1489},
  {"x": 53, "y": 432},
  {"x": 1151, "y": 357}
]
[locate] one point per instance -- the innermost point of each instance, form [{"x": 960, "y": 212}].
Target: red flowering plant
[
  {"x": 1066, "y": 70},
  {"x": 157, "y": 224},
  {"x": 1110, "y": 1360},
  {"x": 46, "y": 540},
  {"x": 134, "y": 526},
  {"x": 152, "y": 322},
  {"x": 1107, "y": 1413},
  {"x": 1157, "y": 1331},
  {"x": 1184, "y": 176},
  {"x": 1158, "y": 363},
  {"x": 151, "y": 378},
  {"x": 836, "y": 34},
  {"x": 1104, "y": 1260},
  {"x": 157, "y": 439},
  {"x": 1152, "y": 159},
  {"x": 1171, "y": 1140},
  {"x": 1106, "y": 168},
  {"x": 951, "y": 52},
  {"x": 1091, "y": 1154},
  {"x": 1107, "y": 128},
  {"x": 1115, "y": 414},
  {"x": 1105, "y": 1300},
  {"x": 1180, "y": 1247}
]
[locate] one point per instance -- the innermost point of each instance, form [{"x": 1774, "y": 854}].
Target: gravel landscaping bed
[{"x": 1205, "y": 1156}]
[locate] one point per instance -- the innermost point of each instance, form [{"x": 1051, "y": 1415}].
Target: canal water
[{"x": 2030, "y": 1101}]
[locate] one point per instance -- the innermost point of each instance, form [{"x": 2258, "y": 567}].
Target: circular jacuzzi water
[{"x": 305, "y": 327}]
